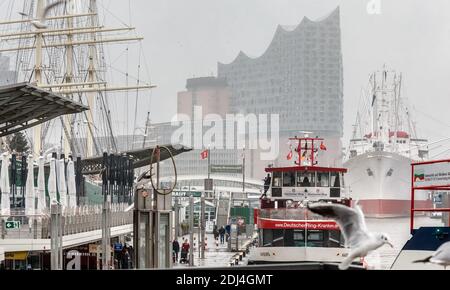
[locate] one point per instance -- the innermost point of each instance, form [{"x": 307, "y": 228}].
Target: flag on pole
[
  {"x": 289, "y": 156},
  {"x": 204, "y": 154},
  {"x": 323, "y": 147}
]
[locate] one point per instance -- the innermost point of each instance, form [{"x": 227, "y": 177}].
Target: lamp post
[{"x": 243, "y": 170}]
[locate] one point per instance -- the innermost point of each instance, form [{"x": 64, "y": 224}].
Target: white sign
[
  {"x": 209, "y": 227},
  {"x": 437, "y": 174},
  {"x": 300, "y": 193}
]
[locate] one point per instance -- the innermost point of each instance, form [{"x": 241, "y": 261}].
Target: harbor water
[{"x": 399, "y": 231}]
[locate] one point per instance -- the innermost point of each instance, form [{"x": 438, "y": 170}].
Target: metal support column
[
  {"x": 243, "y": 171},
  {"x": 106, "y": 213},
  {"x": 142, "y": 226},
  {"x": 3, "y": 229},
  {"x": 106, "y": 234},
  {"x": 202, "y": 226},
  {"x": 191, "y": 230},
  {"x": 56, "y": 237},
  {"x": 199, "y": 233},
  {"x": 177, "y": 217}
]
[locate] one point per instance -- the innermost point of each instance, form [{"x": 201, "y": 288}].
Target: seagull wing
[
  {"x": 442, "y": 254},
  {"x": 350, "y": 221},
  {"x": 358, "y": 209}
]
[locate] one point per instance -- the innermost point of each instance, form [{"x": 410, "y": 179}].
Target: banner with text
[
  {"x": 226, "y": 168},
  {"x": 436, "y": 174}
]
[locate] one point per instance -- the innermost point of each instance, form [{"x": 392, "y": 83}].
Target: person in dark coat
[
  {"x": 126, "y": 259},
  {"x": 185, "y": 251},
  {"x": 176, "y": 249},
  {"x": 267, "y": 182},
  {"x": 215, "y": 232},
  {"x": 222, "y": 235}
]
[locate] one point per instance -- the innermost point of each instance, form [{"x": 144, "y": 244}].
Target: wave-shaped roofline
[{"x": 281, "y": 29}]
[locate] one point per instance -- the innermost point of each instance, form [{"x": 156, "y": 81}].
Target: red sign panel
[
  {"x": 297, "y": 224},
  {"x": 255, "y": 215}
]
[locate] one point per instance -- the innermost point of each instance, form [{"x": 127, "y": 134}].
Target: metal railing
[{"x": 74, "y": 221}]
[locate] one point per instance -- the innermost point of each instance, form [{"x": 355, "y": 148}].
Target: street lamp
[{"x": 243, "y": 169}]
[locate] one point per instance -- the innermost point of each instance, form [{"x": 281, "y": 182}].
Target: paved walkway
[{"x": 215, "y": 255}]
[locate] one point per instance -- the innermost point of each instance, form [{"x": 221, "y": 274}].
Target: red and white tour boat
[{"x": 288, "y": 232}]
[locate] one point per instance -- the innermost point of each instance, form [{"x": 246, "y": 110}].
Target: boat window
[
  {"x": 335, "y": 240},
  {"x": 315, "y": 236},
  {"x": 289, "y": 238},
  {"x": 299, "y": 238},
  {"x": 276, "y": 179},
  {"x": 335, "y": 179},
  {"x": 273, "y": 238},
  {"x": 315, "y": 239},
  {"x": 323, "y": 179},
  {"x": 289, "y": 179},
  {"x": 299, "y": 235},
  {"x": 305, "y": 179}
]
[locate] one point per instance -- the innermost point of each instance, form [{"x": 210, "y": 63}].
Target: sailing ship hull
[{"x": 381, "y": 182}]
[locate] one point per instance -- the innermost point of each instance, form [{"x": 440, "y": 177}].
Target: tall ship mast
[
  {"x": 65, "y": 53},
  {"x": 383, "y": 146}
]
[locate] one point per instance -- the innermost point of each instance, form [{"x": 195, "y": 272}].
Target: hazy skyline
[{"x": 184, "y": 39}]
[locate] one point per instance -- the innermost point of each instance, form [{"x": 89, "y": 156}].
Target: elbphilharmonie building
[{"x": 299, "y": 77}]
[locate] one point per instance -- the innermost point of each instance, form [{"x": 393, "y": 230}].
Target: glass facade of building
[{"x": 299, "y": 77}]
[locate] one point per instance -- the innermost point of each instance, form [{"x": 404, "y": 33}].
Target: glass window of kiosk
[
  {"x": 276, "y": 180},
  {"x": 305, "y": 179},
  {"x": 289, "y": 179},
  {"x": 335, "y": 178},
  {"x": 323, "y": 179}
]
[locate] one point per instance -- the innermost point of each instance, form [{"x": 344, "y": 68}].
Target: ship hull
[
  {"x": 381, "y": 183},
  {"x": 283, "y": 255}
]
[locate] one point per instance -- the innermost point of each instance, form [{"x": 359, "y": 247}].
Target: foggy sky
[{"x": 186, "y": 38}]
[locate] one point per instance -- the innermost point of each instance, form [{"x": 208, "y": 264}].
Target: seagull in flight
[
  {"x": 40, "y": 22},
  {"x": 440, "y": 257},
  {"x": 352, "y": 223}
]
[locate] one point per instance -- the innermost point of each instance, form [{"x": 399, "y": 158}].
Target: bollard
[
  {"x": 243, "y": 254},
  {"x": 240, "y": 257}
]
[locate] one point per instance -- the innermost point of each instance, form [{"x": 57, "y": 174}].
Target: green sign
[
  {"x": 186, "y": 193},
  {"x": 12, "y": 225},
  {"x": 226, "y": 168}
]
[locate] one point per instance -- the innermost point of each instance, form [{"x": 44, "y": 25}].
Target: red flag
[
  {"x": 323, "y": 147},
  {"x": 204, "y": 154},
  {"x": 289, "y": 156}
]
